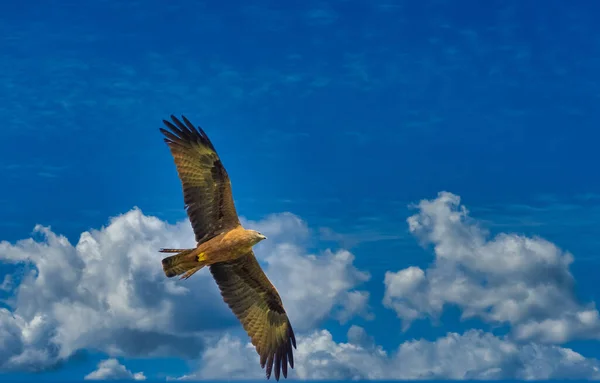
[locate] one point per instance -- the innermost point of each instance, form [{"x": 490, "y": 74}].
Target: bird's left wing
[
  {"x": 256, "y": 303},
  {"x": 206, "y": 185}
]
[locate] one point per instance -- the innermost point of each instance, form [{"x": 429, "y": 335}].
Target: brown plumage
[{"x": 226, "y": 247}]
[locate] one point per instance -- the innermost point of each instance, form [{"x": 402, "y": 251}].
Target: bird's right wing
[
  {"x": 206, "y": 186},
  {"x": 256, "y": 303}
]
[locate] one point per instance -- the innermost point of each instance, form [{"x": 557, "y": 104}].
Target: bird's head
[{"x": 256, "y": 236}]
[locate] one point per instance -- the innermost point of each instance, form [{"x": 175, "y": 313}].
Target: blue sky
[{"x": 335, "y": 119}]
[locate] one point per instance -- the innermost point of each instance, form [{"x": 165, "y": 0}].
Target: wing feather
[
  {"x": 256, "y": 303},
  {"x": 205, "y": 182}
]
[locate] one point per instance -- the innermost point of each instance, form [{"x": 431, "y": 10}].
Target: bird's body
[{"x": 226, "y": 247}]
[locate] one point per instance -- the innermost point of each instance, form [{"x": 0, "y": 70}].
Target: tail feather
[
  {"x": 172, "y": 250},
  {"x": 185, "y": 261}
]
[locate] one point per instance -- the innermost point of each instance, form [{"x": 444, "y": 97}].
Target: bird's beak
[{"x": 264, "y": 237}]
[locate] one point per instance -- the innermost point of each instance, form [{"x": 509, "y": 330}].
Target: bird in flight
[{"x": 226, "y": 247}]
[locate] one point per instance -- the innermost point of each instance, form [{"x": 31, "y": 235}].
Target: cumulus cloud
[
  {"x": 105, "y": 293},
  {"x": 111, "y": 369},
  {"x": 508, "y": 279},
  {"x": 472, "y": 355},
  {"x": 108, "y": 292}
]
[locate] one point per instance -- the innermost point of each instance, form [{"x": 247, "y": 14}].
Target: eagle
[{"x": 225, "y": 246}]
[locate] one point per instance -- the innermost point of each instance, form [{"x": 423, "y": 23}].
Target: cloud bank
[
  {"x": 508, "y": 279},
  {"x": 471, "y": 355},
  {"x": 107, "y": 292}
]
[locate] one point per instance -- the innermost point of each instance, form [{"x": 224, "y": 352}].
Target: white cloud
[
  {"x": 508, "y": 279},
  {"x": 108, "y": 292},
  {"x": 472, "y": 355},
  {"x": 111, "y": 369}
]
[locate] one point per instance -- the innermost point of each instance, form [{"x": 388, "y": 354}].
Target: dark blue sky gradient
[{"x": 342, "y": 112}]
